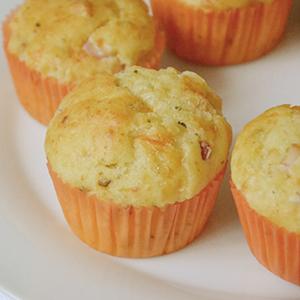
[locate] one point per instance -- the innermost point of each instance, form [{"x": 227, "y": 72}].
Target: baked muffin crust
[
  {"x": 266, "y": 165},
  {"x": 74, "y": 39},
  {"x": 140, "y": 137}
]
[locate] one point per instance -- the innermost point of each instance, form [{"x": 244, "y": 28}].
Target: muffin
[
  {"x": 52, "y": 45},
  {"x": 222, "y": 32},
  {"x": 266, "y": 187},
  {"x": 137, "y": 159}
]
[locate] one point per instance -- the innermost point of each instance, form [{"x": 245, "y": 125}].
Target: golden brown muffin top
[
  {"x": 266, "y": 165},
  {"x": 74, "y": 39},
  {"x": 141, "y": 137}
]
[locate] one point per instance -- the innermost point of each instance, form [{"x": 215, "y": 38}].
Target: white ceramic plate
[{"x": 41, "y": 259}]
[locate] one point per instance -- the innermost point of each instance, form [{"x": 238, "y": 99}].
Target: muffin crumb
[{"x": 104, "y": 182}]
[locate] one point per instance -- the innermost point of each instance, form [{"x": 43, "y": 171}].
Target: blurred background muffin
[
  {"x": 222, "y": 32},
  {"x": 266, "y": 186},
  {"x": 137, "y": 159},
  {"x": 52, "y": 45}
]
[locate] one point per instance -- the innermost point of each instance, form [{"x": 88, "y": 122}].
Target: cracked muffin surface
[{"x": 140, "y": 137}]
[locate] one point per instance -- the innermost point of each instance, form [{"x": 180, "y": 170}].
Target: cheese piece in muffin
[
  {"x": 140, "y": 138},
  {"x": 137, "y": 159},
  {"x": 266, "y": 165},
  {"x": 51, "y": 45}
]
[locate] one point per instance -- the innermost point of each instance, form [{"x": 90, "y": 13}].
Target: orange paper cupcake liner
[
  {"x": 222, "y": 37},
  {"x": 135, "y": 231},
  {"x": 41, "y": 95},
  {"x": 274, "y": 247}
]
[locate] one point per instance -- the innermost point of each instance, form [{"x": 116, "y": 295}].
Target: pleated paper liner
[
  {"x": 41, "y": 95},
  {"x": 274, "y": 247},
  {"x": 222, "y": 37},
  {"x": 135, "y": 231}
]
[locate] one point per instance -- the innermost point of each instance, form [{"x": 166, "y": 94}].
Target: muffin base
[
  {"x": 135, "y": 231},
  {"x": 40, "y": 95},
  {"x": 222, "y": 37},
  {"x": 274, "y": 247}
]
